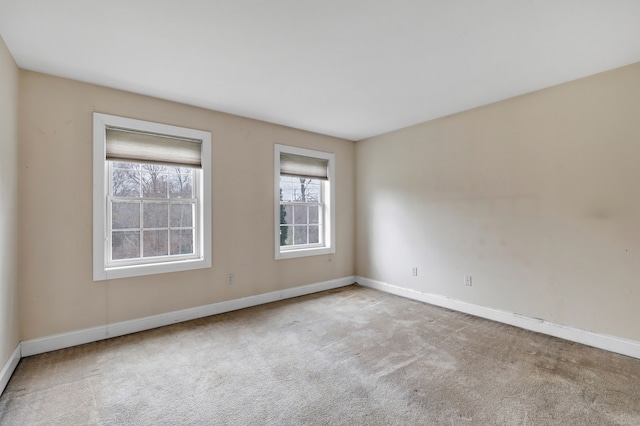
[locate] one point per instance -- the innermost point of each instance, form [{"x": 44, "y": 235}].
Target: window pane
[
  {"x": 155, "y": 215},
  {"x": 154, "y": 181},
  {"x": 313, "y": 191},
  {"x": 154, "y": 168},
  {"x": 181, "y": 170},
  {"x": 286, "y": 235},
  {"x": 300, "y": 215},
  {"x": 123, "y": 165},
  {"x": 181, "y": 186},
  {"x": 181, "y": 215},
  {"x": 125, "y": 244},
  {"x": 306, "y": 190},
  {"x": 314, "y": 234},
  {"x": 286, "y": 214},
  {"x": 300, "y": 189},
  {"x": 125, "y": 183},
  {"x": 286, "y": 188},
  {"x": 155, "y": 243},
  {"x": 182, "y": 241},
  {"x": 283, "y": 214},
  {"x": 314, "y": 214},
  {"x": 125, "y": 215},
  {"x": 299, "y": 235}
]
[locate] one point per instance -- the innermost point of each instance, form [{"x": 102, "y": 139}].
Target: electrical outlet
[
  {"x": 467, "y": 280},
  {"x": 414, "y": 271},
  {"x": 229, "y": 278}
]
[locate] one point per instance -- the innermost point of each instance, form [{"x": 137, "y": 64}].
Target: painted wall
[
  {"x": 9, "y": 330},
  {"x": 536, "y": 197},
  {"x": 55, "y": 175}
]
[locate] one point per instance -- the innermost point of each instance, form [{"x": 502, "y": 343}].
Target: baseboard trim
[
  {"x": 9, "y": 368},
  {"x": 88, "y": 335},
  {"x": 609, "y": 343}
]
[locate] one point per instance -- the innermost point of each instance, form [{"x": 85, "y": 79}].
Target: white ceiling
[{"x": 348, "y": 68}]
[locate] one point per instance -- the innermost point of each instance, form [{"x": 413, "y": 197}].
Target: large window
[
  {"x": 151, "y": 200},
  {"x": 304, "y": 202},
  {"x": 153, "y": 212}
]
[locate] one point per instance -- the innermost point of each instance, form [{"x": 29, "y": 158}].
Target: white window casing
[
  {"x": 136, "y": 141},
  {"x": 306, "y": 164}
]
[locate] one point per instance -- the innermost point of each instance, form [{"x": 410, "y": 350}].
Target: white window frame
[
  {"x": 101, "y": 215},
  {"x": 328, "y": 238}
]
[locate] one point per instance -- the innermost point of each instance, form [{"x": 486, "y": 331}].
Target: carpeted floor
[{"x": 351, "y": 356}]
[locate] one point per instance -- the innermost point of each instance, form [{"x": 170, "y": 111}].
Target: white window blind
[
  {"x": 127, "y": 145},
  {"x": 303, "y": 167}
]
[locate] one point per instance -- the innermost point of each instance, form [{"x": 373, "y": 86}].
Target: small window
[
  {"x": 151, "y": 200},
  {"x": 304, "y": 202}
]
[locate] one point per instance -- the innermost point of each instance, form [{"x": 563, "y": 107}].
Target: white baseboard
[
  {"x": 610, "y": 343},
  {"x": 9, "y": 368},
  {"x": 66, "y": 340}
]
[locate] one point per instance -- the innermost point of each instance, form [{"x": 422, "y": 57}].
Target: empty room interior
[{"x": 244, "y": 212}]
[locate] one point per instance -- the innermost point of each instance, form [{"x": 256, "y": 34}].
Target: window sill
[
  {"x": 150, "y": 269},
  {"x": 315, "y": 251}
]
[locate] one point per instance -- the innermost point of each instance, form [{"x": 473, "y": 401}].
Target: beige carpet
[{"x": 352, "y": 356}]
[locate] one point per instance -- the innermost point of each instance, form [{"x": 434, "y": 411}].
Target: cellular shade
[
  {"x": 303, "y": 167},
  {"x": 126, "y": 145}
]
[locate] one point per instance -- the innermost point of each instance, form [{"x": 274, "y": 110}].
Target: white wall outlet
[
  {"x": 414, "y": 271},
  {"x": 229, "y": 278},
  {"x": 467, "y": 280}
]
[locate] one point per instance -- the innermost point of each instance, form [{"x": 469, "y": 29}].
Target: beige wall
[
  {"x": 9, "y": 330},
  {"x": 536, "y": 197},
  {"x": 56, "y": 288}
]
